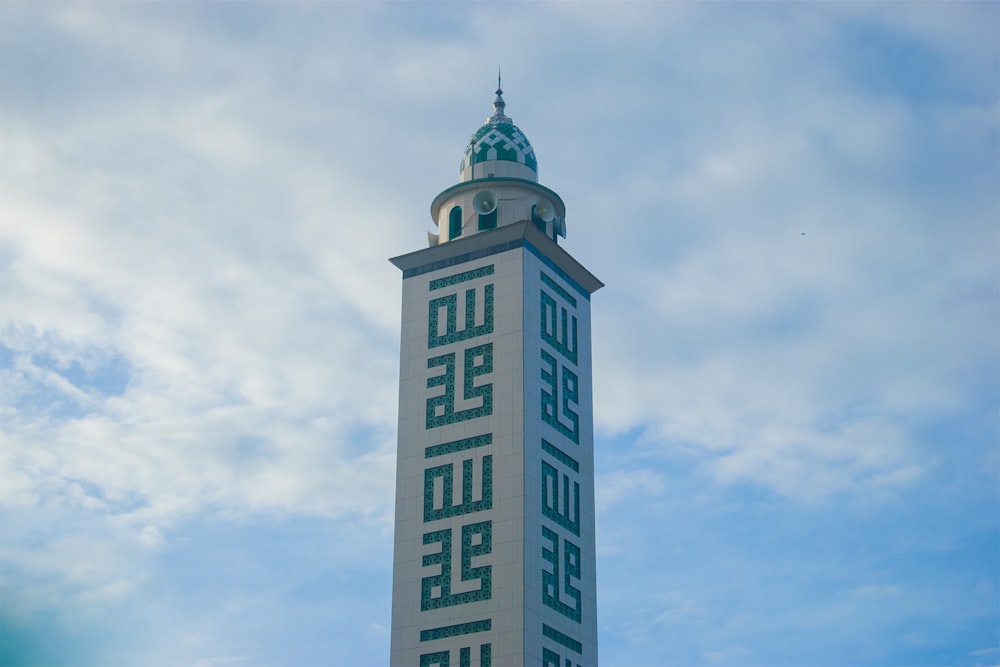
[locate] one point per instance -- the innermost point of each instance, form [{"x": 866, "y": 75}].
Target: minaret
[{"x": 494, "y": 560}]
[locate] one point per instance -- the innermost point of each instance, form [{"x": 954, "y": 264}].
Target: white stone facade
[{"x": 494, "y": 560}]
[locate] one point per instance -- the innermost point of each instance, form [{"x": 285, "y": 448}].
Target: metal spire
[{"x": 498, "y": 105}]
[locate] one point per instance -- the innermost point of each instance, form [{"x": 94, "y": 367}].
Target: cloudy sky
[{"x": 794, "y": 208}]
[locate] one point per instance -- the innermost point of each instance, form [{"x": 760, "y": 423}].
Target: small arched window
[
  {"x": 455, "y": 222},
  {"x": 488, "y": 220}
]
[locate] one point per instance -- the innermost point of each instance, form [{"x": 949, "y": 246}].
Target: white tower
[{"x": 494, "y": 559}]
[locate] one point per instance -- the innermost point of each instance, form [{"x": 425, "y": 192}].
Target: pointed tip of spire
[{"x": 498, "y": 105}]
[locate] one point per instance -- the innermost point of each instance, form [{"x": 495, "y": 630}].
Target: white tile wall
[{"x": 515, "y": 607}]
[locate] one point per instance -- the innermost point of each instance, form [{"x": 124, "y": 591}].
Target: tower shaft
[{"x": 494, "y": 555}]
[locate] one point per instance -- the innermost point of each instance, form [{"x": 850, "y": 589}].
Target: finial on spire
[{"x": 498, "y": 105}]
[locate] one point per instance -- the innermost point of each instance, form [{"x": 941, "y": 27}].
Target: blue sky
[{"x": 795, "y": 210}]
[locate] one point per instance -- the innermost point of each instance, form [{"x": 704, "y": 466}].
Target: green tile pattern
[
  {"x": 485, "y": 656},
  {"x": 499, "y": 141},
  {"x": 552, "y": 659},
  {"x": 465, "y": 548},
  {"x": 447, "y": 473},
  {"x": 459, "y": 278},
  {"x": 456, "y": 630},
  {"x": 559, "y": 455},
  {"x": 443, "y": 658},
  {"x": 567, "y": 512},
  {"x": 560, "y": 638},
  {"x": 436, "y": 659},
  {"x": 557, "y": 288},
  {"x": 563, "y": 339},
  {"x": 449, "y": 303},
  {"x": 562, "y": 569},
  {"x": 459, "y": 445},
  {"x": 435, "y": 590},
  {"x": 554, "y": 587},
  {"x": 441, "y": 409},
  {"x": 550, "y": 398}
]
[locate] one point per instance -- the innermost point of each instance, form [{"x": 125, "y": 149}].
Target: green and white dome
[
  {"x": 497, "y": 142},
  {"x": 498, "y": 186}
]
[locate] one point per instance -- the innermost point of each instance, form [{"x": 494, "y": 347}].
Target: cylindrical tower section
[{"x": 484, "y": 204}]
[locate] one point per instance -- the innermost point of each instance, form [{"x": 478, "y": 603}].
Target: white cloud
[
  {"x": 198, "y": 202},
  {"x": 613, "y": 488},
  {"x": 799, "y": 309},
  {"x": 240, "y": 280}
]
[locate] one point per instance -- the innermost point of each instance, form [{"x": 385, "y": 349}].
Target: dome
[
  {"x": 497, "y": 186},
  {"x": 499, "y": 139}
]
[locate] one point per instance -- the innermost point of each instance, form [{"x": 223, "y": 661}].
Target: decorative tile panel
[
  {"x": 446, "y": 473},
  {"x": 551, "y": 413},
  {"x": 443, "y": 658},
  {"x": 435, "y": 590},
  {"x": 560, "y": 638},
  {"x": 557, "y": 288},
  {"x": 437, "y": 659},
  {"x": 551, "y": 658},
  {"x": 441, "y": 409},
  {"x": 554, "y": 588},
  {"x": 452, "y": 334},
  {"x": 458, "y": 278},
  {"x": 456, "y": 630},
  {"x": 559, "y": 507},
  {"x": 563, "y": 339},
  {"x": 560, "y": 455},
  {"x": 458, "y": 445}
]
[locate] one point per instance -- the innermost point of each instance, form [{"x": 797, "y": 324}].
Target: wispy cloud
[{"x": 794, "y": 209}]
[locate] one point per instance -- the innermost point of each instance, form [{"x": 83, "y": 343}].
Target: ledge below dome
[{"x": 498, "y": 169}]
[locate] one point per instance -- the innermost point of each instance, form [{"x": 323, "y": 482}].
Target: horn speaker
[
  {"x": 544, "y": 209},
  {"x": 484, "y": 202}
]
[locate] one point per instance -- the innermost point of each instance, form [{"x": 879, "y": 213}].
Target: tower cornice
[{"x": 484, "y": 244}]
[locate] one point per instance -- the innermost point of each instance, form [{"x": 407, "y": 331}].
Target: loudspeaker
[
  {"x": 484, "y": 202},
  {"x": 544, "y": 209}
]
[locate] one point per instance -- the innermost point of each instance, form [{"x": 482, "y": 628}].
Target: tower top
[
  {"x": 497, "y": 185},
  {"x": 498, "y": 140},
  {"x": 498, "y": 105}
]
